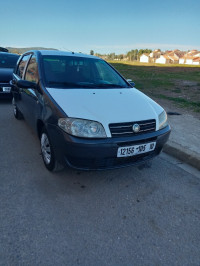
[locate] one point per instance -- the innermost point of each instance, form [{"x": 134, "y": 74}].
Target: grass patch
[
  {"x": 182, "y": 102},
  {"x": 177, "y": 83},
  {"x": 177, "y": 90}
]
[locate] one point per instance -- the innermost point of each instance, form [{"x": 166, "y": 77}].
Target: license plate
[
  {"x": 6, "y": 89},
  {"x": 135, "y": 149}
]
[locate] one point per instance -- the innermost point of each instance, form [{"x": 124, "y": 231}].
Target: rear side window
[
  {"x": 22, "y": 65},
  {"x": 32, "y": 70}
]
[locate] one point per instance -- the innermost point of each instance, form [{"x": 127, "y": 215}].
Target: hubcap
[{"x": 45, "y": 148}]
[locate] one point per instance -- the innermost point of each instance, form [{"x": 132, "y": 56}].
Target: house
[
  {"x": 182, "y": 60},
  {"x": 175, "y": 56},
  {"x": 189, "y": 57},
  {"x": 192, "y": 53},
  {"x": 144, "y": 58},
  {"x": 163, "y": 59},
  {"x": 179, "y": 53},
  {"x": 196, "y": 61},
  {"x": 174, "y": 59},
  {"x": 189, "y": 60},
  {"x": 154, "y": 55}
]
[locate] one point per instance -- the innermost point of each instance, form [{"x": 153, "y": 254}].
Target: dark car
[
  {"x": 7, "y": 64},
  {"x": 85, "y": 113}
]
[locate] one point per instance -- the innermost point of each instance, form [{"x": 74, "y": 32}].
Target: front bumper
[{"x": 99, "y": 154}]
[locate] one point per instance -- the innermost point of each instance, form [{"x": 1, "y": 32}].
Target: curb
[{"x": 183, "y": 154}]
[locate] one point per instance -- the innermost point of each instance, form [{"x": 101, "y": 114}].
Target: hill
[{"x": 23, "y": 50}]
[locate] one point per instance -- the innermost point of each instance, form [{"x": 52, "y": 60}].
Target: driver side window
[
  {"x": 32, "y": 70},
  {"x": 22, "y": 64}
]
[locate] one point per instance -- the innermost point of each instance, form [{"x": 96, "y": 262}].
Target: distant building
[
  {"x": 196, "y": 61},
  {"x": 144, "y": 58},
  {"x": 182, "y": 60},
  {"x": 172, "y": 57},
  {"x": 154, "y": 55},
  {"x": 163, "y": 59},
  {"x": 189, "y": 60},
  {"x": 189, "y": 57},
  {"x": 175, "y": 56}
]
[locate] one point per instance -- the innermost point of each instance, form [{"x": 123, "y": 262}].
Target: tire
[
  {"x": 47, "y": 153},
  {"x": 17, "y": 114}
]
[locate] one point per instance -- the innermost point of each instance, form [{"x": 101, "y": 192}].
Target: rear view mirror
[
  {"x": 25, "y": 84},
  {"x": 131, "y": 82}
]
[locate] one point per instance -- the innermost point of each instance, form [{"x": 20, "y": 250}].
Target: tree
[
  {"x": 91, "y": 52},
  {"x": 144, "y": 51},
  {"x": 111, "y": 56},
  {"x": 132, "y": 55}
]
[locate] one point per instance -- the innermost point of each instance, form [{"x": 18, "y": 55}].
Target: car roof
[
  {"x": 9, "y": 54},
  {"x": 64, "y": 53}
]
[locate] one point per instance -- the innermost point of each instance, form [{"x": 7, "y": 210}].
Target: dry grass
[{"x": 179, "y": 84}]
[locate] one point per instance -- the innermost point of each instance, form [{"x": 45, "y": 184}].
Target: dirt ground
[
  {"x": 171, "y": 107},
  {"x": 181, "y": 90}
]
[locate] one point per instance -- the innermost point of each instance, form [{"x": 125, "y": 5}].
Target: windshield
[
  {"x": 80, "y": 72},
  {"x": 8, "y": 60}
]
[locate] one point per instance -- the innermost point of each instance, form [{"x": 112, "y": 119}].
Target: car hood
[
  {"x": 5, "y": 75},
  {"x": 106, "y": 105}
]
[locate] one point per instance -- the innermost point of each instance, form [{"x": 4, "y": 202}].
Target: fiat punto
[{"x": 85, "y": 113}]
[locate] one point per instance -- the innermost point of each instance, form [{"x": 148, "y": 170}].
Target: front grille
[{"x": 126, "y": 129}]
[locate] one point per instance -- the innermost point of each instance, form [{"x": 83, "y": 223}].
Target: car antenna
[{"x": 67, "y": 50}]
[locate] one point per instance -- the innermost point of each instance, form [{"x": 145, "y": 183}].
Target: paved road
[{"x": 119, "y": 217}]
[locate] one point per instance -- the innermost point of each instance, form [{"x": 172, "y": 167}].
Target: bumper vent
[{"x": 126, "y": 129}]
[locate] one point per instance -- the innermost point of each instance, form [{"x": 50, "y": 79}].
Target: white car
[{"x": 85, "y": 113}]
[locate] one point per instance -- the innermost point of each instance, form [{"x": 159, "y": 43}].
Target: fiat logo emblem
[{"x": 136, "y": 128}]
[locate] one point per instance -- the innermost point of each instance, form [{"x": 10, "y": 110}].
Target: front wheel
[{"x": 48, "y": 153}]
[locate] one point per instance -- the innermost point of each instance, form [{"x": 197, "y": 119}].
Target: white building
[
  {"x": 196, "y": 61},
  {"x": 189, "y": 60},
  {"x": 144, "y": 58},
  {"x": 182, "y": 60},
  {"x": 163, "y": 59},
  {"x": 190, "y": 56}
]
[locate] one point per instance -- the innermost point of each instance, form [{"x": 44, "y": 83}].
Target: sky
[{"x": 103, "y": 26}]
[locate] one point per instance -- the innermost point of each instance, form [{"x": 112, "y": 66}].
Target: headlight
[
  {"x": 82, "y": 128},
  {"x": 162, "y": 120}
]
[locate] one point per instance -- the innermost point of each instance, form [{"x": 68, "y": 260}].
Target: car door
[
  {"x": 31, "y": 97},
  {"x": 19, "y": 74}
]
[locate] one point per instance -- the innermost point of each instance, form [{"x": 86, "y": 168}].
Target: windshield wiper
[
  {"x": 85, "y": 85},
  {"x": 104, "y": 85},
  {"x": 65, "y": 84}
]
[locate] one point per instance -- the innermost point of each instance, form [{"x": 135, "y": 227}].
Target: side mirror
[
  {"x": 25, "y": 84},
  {"x": 131, "y": 82}
]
